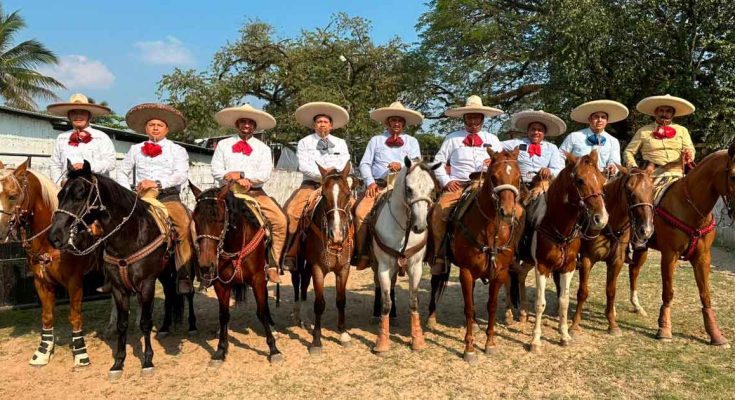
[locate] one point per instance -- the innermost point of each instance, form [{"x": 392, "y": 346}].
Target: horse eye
[
  {"x": 579, "y": 181},
  {"x": 12, "y": 198}
]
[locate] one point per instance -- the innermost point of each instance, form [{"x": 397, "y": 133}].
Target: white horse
[{"x": 399, "y": 243}]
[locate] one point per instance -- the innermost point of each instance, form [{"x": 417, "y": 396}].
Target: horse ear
[
  {"x": 516, "y": 151},
  {"x": 436, "y": 166},
  {"x": 69, "y": 167},
  {"x": 195, "y": 190},
  {"x": 21, "y": 168},
  {"x": 86, "y": 168},
  {"x": 346, "y": 170},
  {"x": 650, "y": 168},
  {"x": 594, "y": 157},
  {"x": 622, "y": 169},
  {"x": 322, "y": 171},
  {"x": 490, "y": 151},
  {"x": 407, "y": 161},
  {"x": 571, "y": 158},
  {"x": 731, "y": 150},
  {"x": 28, "y": 162},
  {"x": 2, "y": 166}
]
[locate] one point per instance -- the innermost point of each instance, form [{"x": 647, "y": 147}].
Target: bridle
[
  {"x": 330, "y": 248},
  {"x": 408, "y": 205},
  {"x": 496, "y": 190}
]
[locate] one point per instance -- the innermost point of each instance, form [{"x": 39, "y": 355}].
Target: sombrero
[
  {"x": 306, "y": 113},
  {"x": 615, "y": 111},
  {"x": 554, "y": 125},
  {"x": 139, "y": 116},
  {"x": 473, "y": 105},
  {"x": 397, "y": 109},
  {"x": 649, "y": 104},
  {"x": 77, "y": 101},
  {"x": 229, "y": 116}
]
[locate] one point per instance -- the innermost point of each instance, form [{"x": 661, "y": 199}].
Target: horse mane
[
  {"x": 49, "y": 190},
  {"x": 238, "y": 208},
  {"x": 118, "y": 193},
  {"x": 560, "y": 186}
]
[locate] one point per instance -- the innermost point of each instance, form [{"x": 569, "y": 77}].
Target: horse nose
[
  {"x": 599, "y": 220},
  {"x": 645, "y": 231}
]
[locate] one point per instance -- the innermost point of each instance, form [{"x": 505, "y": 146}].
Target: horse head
[
  {"x": 503, "y": 182},
  {"x": 587, "y": 181},
  {"x": 210, "y": 221},
  {"x": 336, "y": 198},
  {"x": 638, "y": 188},
  {"x": 10, "y": 195},
  {"x": 418, "y": 187}
]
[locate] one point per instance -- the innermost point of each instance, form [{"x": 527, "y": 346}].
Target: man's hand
[
  {"x": 453, "y": 186},
  {"x": 78, "y": 166},
  {"x": 145, "y": 185},
  {"x": 232, "y": 176},
  {"x": 245, "y": 183},
  {"x": 394, "y": 166},
  {"x": 687, "y": 156},
  {"x": 372, "y": 190},
  {"x": 544, "y": 173},
  {"x": 611, "y": 169}
]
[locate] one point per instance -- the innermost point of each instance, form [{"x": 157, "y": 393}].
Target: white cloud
[
  {"x": 80, "y": 72},
  {"x": 169, "y": 51}
]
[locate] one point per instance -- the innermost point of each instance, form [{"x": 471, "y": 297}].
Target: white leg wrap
[
  {"x": 79, "y": 349},
  {"x": 45, "y": 348}
]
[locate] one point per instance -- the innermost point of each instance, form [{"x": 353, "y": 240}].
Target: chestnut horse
[
  {"x": 27, "y": 203},
  {"x": 230, "y": 247},
  {"x": 629, "y": 201},
  {"x": 574, "y": 197}
]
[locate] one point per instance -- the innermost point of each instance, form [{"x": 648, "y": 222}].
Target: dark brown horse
[
  {"x": 553, "y": 239},
  {"x": 230, "y": 247},
  {"x": 483, "y": 243},
  {"x": 27, "y": 203},
  {"x": 684, "y": 230},
  {"x": 629, "y": 200}
]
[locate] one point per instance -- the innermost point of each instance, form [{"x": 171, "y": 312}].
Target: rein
[{"x": 347, "y": 228}]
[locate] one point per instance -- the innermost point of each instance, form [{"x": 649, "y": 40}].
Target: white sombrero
[
  {"x": 139, "y": 116},
  {"x": 554, "y": 125},
  {"x": 615, "y": 111},
  {"x": 77, "y": 101},
  {"x": 306, "y": 113},
  {"x": 229, "y": 116},
  {"x": 649, "y": 104},
  {"x": 472, "y": 106},
  {"x": 397, "y": 109}
]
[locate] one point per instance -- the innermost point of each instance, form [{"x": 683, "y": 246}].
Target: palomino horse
[
  {"x": 574, "y": 198},
  {"x": 629, "y": 201},
  {"x": 685, "y": 230},
  {"x": 484, "y": 243},
  {"x": 399, "y": 239},
  {"x": 135, "y": 253},
  {"x": 27, "y": 203},
  {"x": 230, "y": 249}
]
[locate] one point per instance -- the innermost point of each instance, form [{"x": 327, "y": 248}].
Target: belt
[
  {"x": 382, "y": 183},
  {"x": 311, "y": 184},
  {"x": 169, "y": 194}
]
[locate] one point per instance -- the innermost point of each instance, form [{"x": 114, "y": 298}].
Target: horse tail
[
  {"x": 515, "y": 288},
  {"x": 441, "y": 280},
  {"x": 278, "y": 295},
  {"x": 241, "y": 291}
]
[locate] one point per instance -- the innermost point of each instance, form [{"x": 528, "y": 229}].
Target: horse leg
[
  {"x": 613, "y": 270},
  {"x": 319, "y": 305},
  {"x": 701, "y": 263},
  {"x": 540, "y": 307},
  {"x": 523, "y": 312},
  {"x": 668, "y": 264},
  {"x": 260, "y": 292},
  {"x": 634, "y": 269},
  {"x": 508, "y": 304},
  {"x": 377, "y": 300},
  {"x": 414, "y": 278},
  {"x": 341, "y": 282},
  {"x": 223, "y": 297},
  {"x": 47, "y": 295},
  {"x": 169, "y": 292},
  {"x": 382, "y": 342},
  {"x": 393, "y": 312},
  {"x": 192, "y": 316},
  {"x": 565, "y": 280},
  {"x": 582, "y": 293},
  {"x": 435, "y": 284},
  {"x": 145, "y": 299},
  {"x": 78, "y": 347},
  {"x": 122, "y": 303},
  {"x": 492, "y": 305},
  {"x": 296, "y": 283},
  {"x": 468, "y": 284}
]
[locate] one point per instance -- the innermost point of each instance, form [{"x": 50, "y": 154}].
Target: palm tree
[{"x": 20, "y": 83}]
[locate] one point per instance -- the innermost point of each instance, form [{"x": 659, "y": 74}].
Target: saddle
[
  {"x": 160, "y": 214},
  {"x": 307, "y": 215},
  {"x": 252, "y": 204}
]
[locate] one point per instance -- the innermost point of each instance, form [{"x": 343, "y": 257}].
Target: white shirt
[
  {"x": 335, "y": 157},
  {"x": 550, "y": 158},
  {"x": 256, "y": 167},
  {"x": 99, "y": 152},
  {"x": 374, "y": 163},
  {"x": 171, "y": 167},
  {"x": 463, "y": 160},
  {"x": 577, "y": 144}
]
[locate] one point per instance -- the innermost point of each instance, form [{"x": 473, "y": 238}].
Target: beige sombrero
[
  {"x": 397, "y": 109},
  {"x": 473, "y": 105},
  {"x": 77, "y": 101},
  {"x": 615, "y": 111},
  {"x": 554, "y": 125},
  {"x": 139, "y": 115},
  {"x": 649, "y": 104},
  {"x": 229, "y": 116},
  {"x": 306, "y": 113}
]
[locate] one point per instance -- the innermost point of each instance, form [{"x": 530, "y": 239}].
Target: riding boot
[
  {"x": 183, "y": 282},
  {"x": 272, "y": 274},
  {"x": 292, "y": 251}
]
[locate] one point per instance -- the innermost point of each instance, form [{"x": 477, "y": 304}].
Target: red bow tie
[
  {"x": 151, "y": 149},
  {"x": 242, "y": 147},
  {"x": 472, "y": 140},
  {"x": 79, "y": 137},
  {"x": 664, "y": 132},
  {"x": 534, "y": 149},
  {"x": 394, "y": 141}
]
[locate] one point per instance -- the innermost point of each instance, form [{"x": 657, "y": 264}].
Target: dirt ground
[{"x": 596, "y": 365}]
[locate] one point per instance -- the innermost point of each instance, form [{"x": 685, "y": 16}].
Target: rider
[
  {"x": 320, "y": 148},
  {"x": 465, "y": 150},
  {"x": 157, "y": 169},
  {"x": 82, "y": 142},
  {"x": 383, "y": 156},
  {"x": 597, "y": 114},
  {"x": 247, "y": 162}
]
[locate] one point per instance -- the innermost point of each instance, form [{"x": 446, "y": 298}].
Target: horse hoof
[
  {"x": 115, "y": 375},
  {"x": 431, "y": 323},
  {"x": 616, "y": 331},
  {"x": 639, "y": 311},
  {"x": 315, "y": 351},
  {"x": 216, "y": 363},
  {"x": 162, "y": 334},
  {"x": 147, "y": 371},
  {"x": 476, "y": 327},
  {"x": 275, "y": 358},
  {"x": 374, "y": 320},
  {"x": 491, "y": 350},
  {"x": 664, "y": 335},
  {"x": 566, "y": 342},
  {"x": 523, "y": 319},
  {"x": 470, "y": 357},
  {"x": 535, "y": 348}
]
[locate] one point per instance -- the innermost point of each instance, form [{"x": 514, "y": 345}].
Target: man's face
[
  {"x": 395, "y": 125},
  {"x": 322, "y": 125},
  {"x": 79, "y": 119},
  {"x": 246, "y": 126},
  {"x": 473, "y": 122},
  {"x": 664, "y": 114},
  {"x": 598, "y": 121},
  {"x": 536, "y": 132},
  {"x": 156, "y": 129}
]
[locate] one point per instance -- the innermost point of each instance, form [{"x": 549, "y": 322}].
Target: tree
[
  {"x": 111, "y": 120},
  {"x": 20, "y": 83}
]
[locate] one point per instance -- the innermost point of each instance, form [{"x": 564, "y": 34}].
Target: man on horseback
[
  {"x": 383, "y": 158},
  {"x": 247, "y": 163},
  {"x": 466, "y": 151},
  {"x": 597, "y": 114},
  {"x": 156, "y": 169},
  {"x": 319, "y": 148},
  {"x": 82, "y": 142}
]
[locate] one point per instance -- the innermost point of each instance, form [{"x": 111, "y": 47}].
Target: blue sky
[{"x": 106, "y": 47}]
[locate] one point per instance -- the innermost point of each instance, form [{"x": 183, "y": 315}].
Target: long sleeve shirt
[
  {"x": 658, "y": 151},
  {"x": 99, "y": 152},
  {"x": 374, "y": 163},
  {"x": 333, "y": 157},
  {"x": 463, "y": 159},
  {"x": 257, "y": 167},
  {"x": 550, "y": 158},
  {"x": 576, "y": 143},
  {"x": 171, "y": 167}
]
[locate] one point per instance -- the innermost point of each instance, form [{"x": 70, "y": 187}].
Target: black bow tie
[{"x": 323, "y": 145}]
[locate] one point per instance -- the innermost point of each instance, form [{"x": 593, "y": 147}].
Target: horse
[
  {"x": 399, "y": 240},
  {"x": 135, "y": 251},
  {"x": 230, "y": 246},
  {"x": 629, "y": 201},
  {"x": 27, "y": 204},
  {"x": 574, "y": 198},
  {"x": 685, "y": 230}
]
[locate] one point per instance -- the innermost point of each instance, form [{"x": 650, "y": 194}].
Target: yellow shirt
[{"x": 658, "y": 151}]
